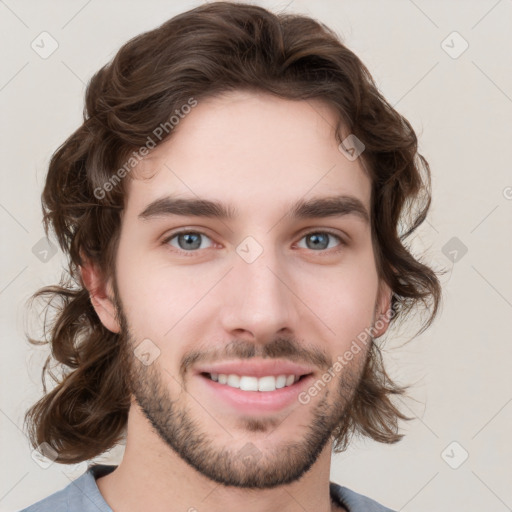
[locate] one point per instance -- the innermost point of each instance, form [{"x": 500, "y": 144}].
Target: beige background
[{"x": 462, "y": 111}]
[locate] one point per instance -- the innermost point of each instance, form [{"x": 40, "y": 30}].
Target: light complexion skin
[{"x": 305, "y": 298}]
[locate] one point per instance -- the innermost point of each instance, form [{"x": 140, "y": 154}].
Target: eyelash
[{"x": 342, "y": 243}]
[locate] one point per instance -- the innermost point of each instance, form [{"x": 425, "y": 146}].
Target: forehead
[{"x": 251, "y": 150}]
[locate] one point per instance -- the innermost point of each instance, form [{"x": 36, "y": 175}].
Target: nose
[{"x": 258, "y": 299}]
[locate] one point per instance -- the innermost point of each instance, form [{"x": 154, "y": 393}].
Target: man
[{"x": 230, "y": 209}]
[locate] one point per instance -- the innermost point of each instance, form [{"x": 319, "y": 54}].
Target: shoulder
[
  {"x": 355, "y": 502},
  {"x": 81, "y": 495}
]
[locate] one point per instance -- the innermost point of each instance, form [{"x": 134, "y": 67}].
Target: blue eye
[
  {"x": 320, "y": 240},
  {"x": 191, "y": 241},
  {"x": 187, "y": 240}
]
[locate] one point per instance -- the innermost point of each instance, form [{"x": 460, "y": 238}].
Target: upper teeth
[{"x": 248, "y": 383}]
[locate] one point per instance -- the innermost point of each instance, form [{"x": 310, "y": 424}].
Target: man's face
[{"x": 263, "y": 286}]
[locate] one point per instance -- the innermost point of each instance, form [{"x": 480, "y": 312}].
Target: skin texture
[{"x": 297, "y": 301}]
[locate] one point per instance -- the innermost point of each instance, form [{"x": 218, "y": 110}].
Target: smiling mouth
[{"x": 250, "y": 383}]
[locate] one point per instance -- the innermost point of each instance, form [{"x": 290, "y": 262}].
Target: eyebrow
[{"x": 332, "y": 206}]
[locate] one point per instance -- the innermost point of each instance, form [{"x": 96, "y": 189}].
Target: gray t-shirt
[{"x": 83, "y": 495}]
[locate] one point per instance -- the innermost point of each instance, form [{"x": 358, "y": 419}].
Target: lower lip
[{"x": 257, "y": 401}]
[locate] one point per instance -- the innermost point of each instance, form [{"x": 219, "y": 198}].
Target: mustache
[{"x": 279, "y": 348}]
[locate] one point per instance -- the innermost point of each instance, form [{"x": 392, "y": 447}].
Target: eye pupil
[
  {"x": 317, "y": 240},
  {"x": 189, "y": 241},
  {"x": 189, "y": 237}
]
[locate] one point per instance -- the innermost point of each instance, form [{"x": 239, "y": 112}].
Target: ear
[
  {"x": 101, "y": 293},
  {"x": 382, "y": 309}
]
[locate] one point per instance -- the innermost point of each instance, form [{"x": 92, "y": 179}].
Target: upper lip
[{"x": 257, "y": 368}]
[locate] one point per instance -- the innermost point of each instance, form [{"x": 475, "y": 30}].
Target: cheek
[
  {"x": 344, "y": 301},
  {"x": 154, "y": 296},
  {"x": 156, "y": 299}
]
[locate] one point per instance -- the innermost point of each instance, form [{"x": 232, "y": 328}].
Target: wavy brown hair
[{"x": 212, "y": 49}]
